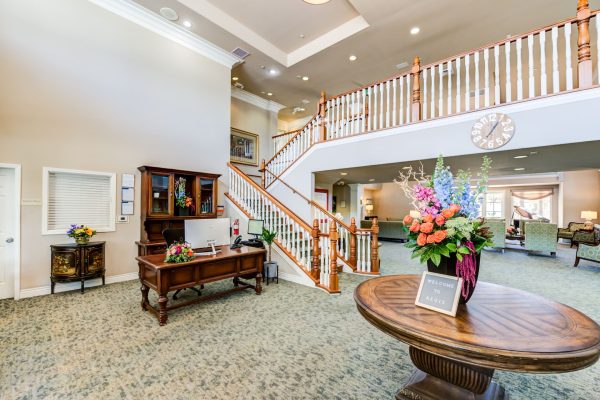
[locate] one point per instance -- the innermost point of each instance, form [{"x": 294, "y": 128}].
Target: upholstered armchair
[
  {"x": 568, "y": 232},
  {"x": 541, "y": 237},
  {"x": 591, "y": 238},
  {"x": 587, "y": 252},
  {"x": 498, "y": 228}
]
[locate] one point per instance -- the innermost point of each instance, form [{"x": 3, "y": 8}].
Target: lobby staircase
[{"x": 316, "y": 248}]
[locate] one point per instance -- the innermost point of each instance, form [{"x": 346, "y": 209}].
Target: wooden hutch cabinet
[
  {"x": 159, "y": 208},
  {"x": 76, "y": 262}
]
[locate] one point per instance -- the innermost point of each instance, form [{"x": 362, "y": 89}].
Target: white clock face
[{"x": 492, "y": 131}]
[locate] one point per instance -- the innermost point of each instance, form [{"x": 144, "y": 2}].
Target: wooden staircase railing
[
  {"x": 520, "y": 68},
  {"x": 356, "y": 247},
  {"x": 313, "y": 250}
]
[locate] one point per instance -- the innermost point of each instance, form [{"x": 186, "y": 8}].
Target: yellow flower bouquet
[{"x": 81, "y": 233}]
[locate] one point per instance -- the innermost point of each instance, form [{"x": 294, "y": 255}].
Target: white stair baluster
[
  {"x": 408, "y": 99},
  {"x": 387, "y": 113},
  {"x": 543, "y": 76},
  {"x": 394, "y": 109},
  {"x": 531, "y": 66},
  {"x": 555, "y": 73},
  {"x": 477, "y": 95},
  {"x": 507, "y": 77},
  {"x": 441, "y": 88},
  {"x": 486, "y": 82},
  {"x": 433, "y": 113},
  {"x": 449, "y": 77},
  {"x": 401, "y": 100},
  {"x": 381, "y": 109},
  {"x": 375, "y": 107},
  {"x": 569, "y": 66},
  {"x": 519, "y": 70},
  {"x": 496, "y": 75},
  {"x": 468, "y": 82},
  {"x": 363, "y": 125},
  {"x": 425, "y": 100},
  {"x": 458, "y": 105}
]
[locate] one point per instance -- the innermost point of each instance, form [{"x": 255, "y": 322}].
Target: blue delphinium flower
[{"x": 443, "y": 183}]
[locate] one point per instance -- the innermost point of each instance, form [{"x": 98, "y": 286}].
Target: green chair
[
  {"x": 541, "y": 237},
  {"x": 588, "y": 237},
  {"x": 568, "y": 232},
  {"x": 587, "y": 252},
  {"x": 497, "y": 228}
]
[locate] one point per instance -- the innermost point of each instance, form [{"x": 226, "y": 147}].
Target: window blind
[{"x": 79, "y": 198}]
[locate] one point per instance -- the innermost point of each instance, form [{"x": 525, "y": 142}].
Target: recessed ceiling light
[
  {"x": 273, "y": 71},
  {"x": 304, "y": 101},
  {"x": 372, "y": 180},
  {"x": 517, "y": 157},
  {"x": 343, "y": 173},
  {"x": 520, "y": 169},
  {"x": 269, "y": 94},
  {"x": 187, "y": 24},
  {"x": 305, "y": 78},
  {"x": 352, "y": 58},
  {"x": 415, "y": 30},
  {"x": 235, "y": 78},
  {"x": 301, "y": 36},
  {"x": 316, "y": 2}
]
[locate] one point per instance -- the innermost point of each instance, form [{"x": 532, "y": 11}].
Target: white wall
[{"x": 83, "y": 88}]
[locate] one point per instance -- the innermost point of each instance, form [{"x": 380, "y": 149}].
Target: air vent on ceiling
[
  {"x": 169, "y": 13},
  {"x": 240, "y": 53}
]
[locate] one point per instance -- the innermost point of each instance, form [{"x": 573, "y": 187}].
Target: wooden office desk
[{"x": 165, "y": 277}]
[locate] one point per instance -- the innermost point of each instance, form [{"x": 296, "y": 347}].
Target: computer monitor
[
  {"x": 201, "y": 233},
  {"x": 255, "y": 227}
]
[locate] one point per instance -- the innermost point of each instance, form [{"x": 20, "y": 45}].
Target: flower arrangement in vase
[
  {"x": 179, "y": 252},
  {"x": 449, "y": 234},
  {"x": 81, "y": 233},
  {"x": 182, "y": 200}
]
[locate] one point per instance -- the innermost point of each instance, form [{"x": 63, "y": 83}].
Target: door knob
[{"x": 10, "y": 240}]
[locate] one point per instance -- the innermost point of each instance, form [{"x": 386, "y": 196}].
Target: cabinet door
[
  {"x": 207, "y": 197},
  {"x": 93, "y": 259},
  {"x": 65, "y": 263},
  {"x": 161, "y": 194}
]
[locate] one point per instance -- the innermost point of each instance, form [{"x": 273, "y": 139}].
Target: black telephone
[{"x": 236, "y": 243}]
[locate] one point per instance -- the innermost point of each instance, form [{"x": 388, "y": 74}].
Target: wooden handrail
[
  {"x": 285, "y": 133},
  {"x": 293, "y": 215}
]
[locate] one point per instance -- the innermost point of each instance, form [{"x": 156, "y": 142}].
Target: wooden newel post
[
  {"x": 315, "y": 251},
  {"x": 352, "y": 259},
  {"x": 375, "y": 247},
  {"x": 584, "y": 52},
  {"x": 334, "y": 283},
  {"x": 416, "y": 93},
  {"x": 262, "y": 170},
  {"x": 322, "y": 113}
]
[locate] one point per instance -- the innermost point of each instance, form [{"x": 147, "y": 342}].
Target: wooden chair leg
[{"x": 576, "y": 262}]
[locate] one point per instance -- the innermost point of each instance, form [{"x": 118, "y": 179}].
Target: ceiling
[
  {"x": 376, "y": 31},
  {"x": 548, "y": 159}
]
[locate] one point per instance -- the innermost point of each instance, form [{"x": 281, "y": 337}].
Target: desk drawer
[
  {"x": 217, "y": 269},
  {"x": 251, "y": 263}
]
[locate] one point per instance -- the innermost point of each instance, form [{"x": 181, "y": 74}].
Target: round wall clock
[{"x": 492, "y": 131}]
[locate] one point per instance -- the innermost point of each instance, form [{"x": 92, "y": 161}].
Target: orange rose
[
  {"x": 447, "y": 213},
  {"x": 439, "y": 236},
  {"x": 455, "y": 208},
  {"x": 431, "y": 239},
  {"x": 408, "y": 220},
  {"x": 427, "y": 227},
  {"x": 415, "y": 227},
  {"x": 428, "y": 218},
  {"x": 422, "y": 239},
  {"x": 440, "y": 220}
]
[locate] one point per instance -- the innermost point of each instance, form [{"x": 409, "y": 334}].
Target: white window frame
[
  {"x": 502, "y": 195},
  {"x": 45, "y": 194}
]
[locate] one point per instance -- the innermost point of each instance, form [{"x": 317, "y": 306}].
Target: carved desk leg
[
  {"x": 258, "y": 287},
  {"x": 162, "y": 309},
  {"x": 145, "y": 289},
  {"x": 440, "y": 378}
]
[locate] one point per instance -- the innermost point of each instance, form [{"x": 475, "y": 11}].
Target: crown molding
[
  {"x": 255, "y": 100},
  {"x": 147, "y": 19}
]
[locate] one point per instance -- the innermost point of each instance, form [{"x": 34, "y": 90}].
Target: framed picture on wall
[{"x": 243, "y": 147}]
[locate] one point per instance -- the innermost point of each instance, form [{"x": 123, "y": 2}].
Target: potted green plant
[{"x": 268, "y": 237}]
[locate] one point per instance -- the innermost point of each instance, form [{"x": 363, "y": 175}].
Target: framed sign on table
[{"x": 244, "y": 147}]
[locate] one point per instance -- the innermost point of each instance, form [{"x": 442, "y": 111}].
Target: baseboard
[
  {"x": 293, "y": 278},
  {"x": 65, "y": 287}
]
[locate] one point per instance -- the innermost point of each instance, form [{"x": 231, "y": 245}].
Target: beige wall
[
  {"x": 390, "y": 202},
  {"x": 85, "y": 89},
  {"x": 581, "y": 193},
  {"x": 342, "y": 194},
  {"x": 253, "y": 119}
]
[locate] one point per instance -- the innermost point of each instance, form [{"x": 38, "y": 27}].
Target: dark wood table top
[
  {"x": 158, "y": 260},
  {"x": 500, "y": 327}
]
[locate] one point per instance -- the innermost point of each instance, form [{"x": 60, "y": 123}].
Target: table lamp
[
  {"x": 369, "y": 208},
  {"x": 588, "y": 216}
]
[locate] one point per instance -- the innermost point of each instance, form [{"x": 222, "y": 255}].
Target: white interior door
[
  {"x": 322, "y": 199},
  {"x": 7, "y": 232}
]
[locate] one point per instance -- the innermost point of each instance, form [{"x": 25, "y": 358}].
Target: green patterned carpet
[{"x": 292, "y": 342}]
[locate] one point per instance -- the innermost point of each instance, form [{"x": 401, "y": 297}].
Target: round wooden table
[{"x": 500, "y": 328}]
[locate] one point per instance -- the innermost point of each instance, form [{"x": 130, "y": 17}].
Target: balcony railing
[{"x": 555, "y": 59}]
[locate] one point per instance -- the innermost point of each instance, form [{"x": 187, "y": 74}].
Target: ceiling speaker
[{"x": 169, "y": 13}]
